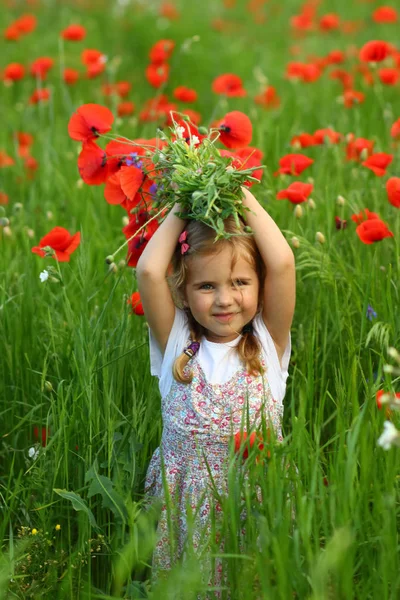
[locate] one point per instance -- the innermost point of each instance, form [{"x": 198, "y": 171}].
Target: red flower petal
[
  {"x": 92, "y": 164},
  {"x": 393, "y": 191},
  {"x": 131, "y": 178},
  {"x": 89, "y": 121},
  {"x": 236, "y": 130}
]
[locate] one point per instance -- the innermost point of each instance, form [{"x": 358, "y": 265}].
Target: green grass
[{"x": 75, "y": 361}]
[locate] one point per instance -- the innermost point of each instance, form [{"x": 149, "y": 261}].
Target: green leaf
[
  {"x": 79, "y": 504},
  {"x": 110, "y": 498}
]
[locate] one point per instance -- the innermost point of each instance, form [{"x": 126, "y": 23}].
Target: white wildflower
[
  {"x": 44, "y": 275},
  {"x": 389, "y": 437},
  {"x": 195, "y": 140},
  {"x": 180, "y": 131},
  {"x": 33, "y": 453}
]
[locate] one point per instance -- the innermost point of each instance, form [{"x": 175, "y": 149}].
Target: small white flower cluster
[
  {"x": 389, "y": 437},
  {"x": 44, "y": 275},
  {"x": 33, "y": 453}
]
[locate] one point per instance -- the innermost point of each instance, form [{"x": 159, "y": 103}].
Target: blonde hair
[{"x": 200, "y": 238}]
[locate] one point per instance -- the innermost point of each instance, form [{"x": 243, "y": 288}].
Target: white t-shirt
[{"x": 218, "y": 361}]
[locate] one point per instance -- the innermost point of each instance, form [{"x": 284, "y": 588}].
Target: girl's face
[{"x": 213, "y": 300}]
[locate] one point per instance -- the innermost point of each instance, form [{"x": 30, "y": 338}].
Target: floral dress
[{"x": 199, "y": 420}]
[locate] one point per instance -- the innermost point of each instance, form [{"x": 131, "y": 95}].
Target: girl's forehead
[{"x": 219, "y": 262}]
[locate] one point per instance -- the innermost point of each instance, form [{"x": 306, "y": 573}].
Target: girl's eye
[
  {"x": 204, "y": 285},
  {"x": 240, "y": 282}
]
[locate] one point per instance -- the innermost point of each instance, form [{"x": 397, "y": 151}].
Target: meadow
[{"x": 80, "y": 412}]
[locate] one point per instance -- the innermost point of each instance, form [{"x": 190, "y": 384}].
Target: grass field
[{"x": 80, "y": 412}]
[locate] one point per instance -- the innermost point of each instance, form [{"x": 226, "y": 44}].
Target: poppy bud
[
  {"x": 4, "y": 222},
  {"x": 47, "y": 386},
  {"x": 125, "y": 221},
  {"x": 203, "y": 130},
  {"x": 110, "y": 259},
  {"x": 247, "y": 229},
  {"x": 311, "y": 203},
  {"x": 340, "y": 201},
  {"x": 298, "y": 211},
  {"x": 295, "y": 242},
  {"x": 320, "y": 237},
  {"x": 364, "y": 154},
  {"x": 7, "y": 231},
  {"x": 393, "y": 353},
  {"x": 18, "y": 207},
  {"x": 113, "y": 267}
]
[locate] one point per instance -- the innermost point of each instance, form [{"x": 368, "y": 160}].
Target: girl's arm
[
  {"x": 280, "y": 282},
  {"x": 151, "y": 271}
]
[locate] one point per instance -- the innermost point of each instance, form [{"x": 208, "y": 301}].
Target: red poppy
[
  {"x": 14, "y": 72},
  {"x": 125, "y": 109},
  {"x": 157, "y": 74},
  {"x": 389, "y": 76},
  {"x": 169, "y": 11},
  {"x": 139, "y": 242},
  {"x": 70, "y": 76},
  {"x": 340, "y": 223},
  {"x": 62, "y": 242},
  {"x": 41, "y": 66},
  {"x": 246, "y": 158},
  {"x": 335, "y": 57},
  {"x": 5, "y": 160},
  {"x": 113, "y": 191},
  {"x": 394, "y": 398},
  {"x": 322, "y": 135},
  {"x": 352, "y": 97},
  {"x": 92, "y": 164},
  {"x": 74, "y": 33},
  {"x": 306, "y": 72},
  {"x": 378, "y": 163},
  {"x": 3, "y": 199},
  {"x": 89, "y": 121},
  {"x": 329, "y": 22},
  {"x": 41, "y": 95},
  {"x": 373, "y": 230},
  {"x": 345, "y": 78},
  {"x": 91, "y": 56},
  {"x": 42, "y": 433},
  {"x": 12, "y": 34},
  {"x": 235, "y": 130},
  {"x": 268, "y": 98},
  {"x": 131, "y": 178},
  {"x": 393, "y": 191},
  {"x": 293, "y": 164},
  {"x": 296, "y": 193},
  {"x": 242, "y": 442},
  {"x": 161, "y": 51},
  {"x": 356, "y": 146},
  {"x": 157, "y": 108},
  {"x": 26, "y": 24},
  {"x": 395, "y": 129},
  {"x": 364, "y": 215},
  {"x": 136, "y": 304},
  {"x": 185, "y": 94},
  {"x": 194, "y": 115},
  {"x": 122, "y": 88},
  {"x": 228, "y": 85},
  {"x": 303, "y": 140},
  {"x": 95, "y": 69},
  {"x": 385, "y": 14},
  {"x": 374, "y": 51}
]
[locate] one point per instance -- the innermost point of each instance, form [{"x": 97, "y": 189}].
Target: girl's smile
[{"x": 221, "y": 299}]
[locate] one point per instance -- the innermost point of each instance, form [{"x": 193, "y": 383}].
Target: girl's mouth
[{"x": 224, "y": 316}]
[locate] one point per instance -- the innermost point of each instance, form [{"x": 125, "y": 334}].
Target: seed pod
[
  {"x": 340, "y": 201},
  {"x": 109, "y": 259},
  {"x": 311, "y": 203},
  {"x": 320, "y": 237},
  {"x": 295, "y": 242}
]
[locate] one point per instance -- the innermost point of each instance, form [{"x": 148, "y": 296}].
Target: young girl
[{"x": 220, "y": 346}]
